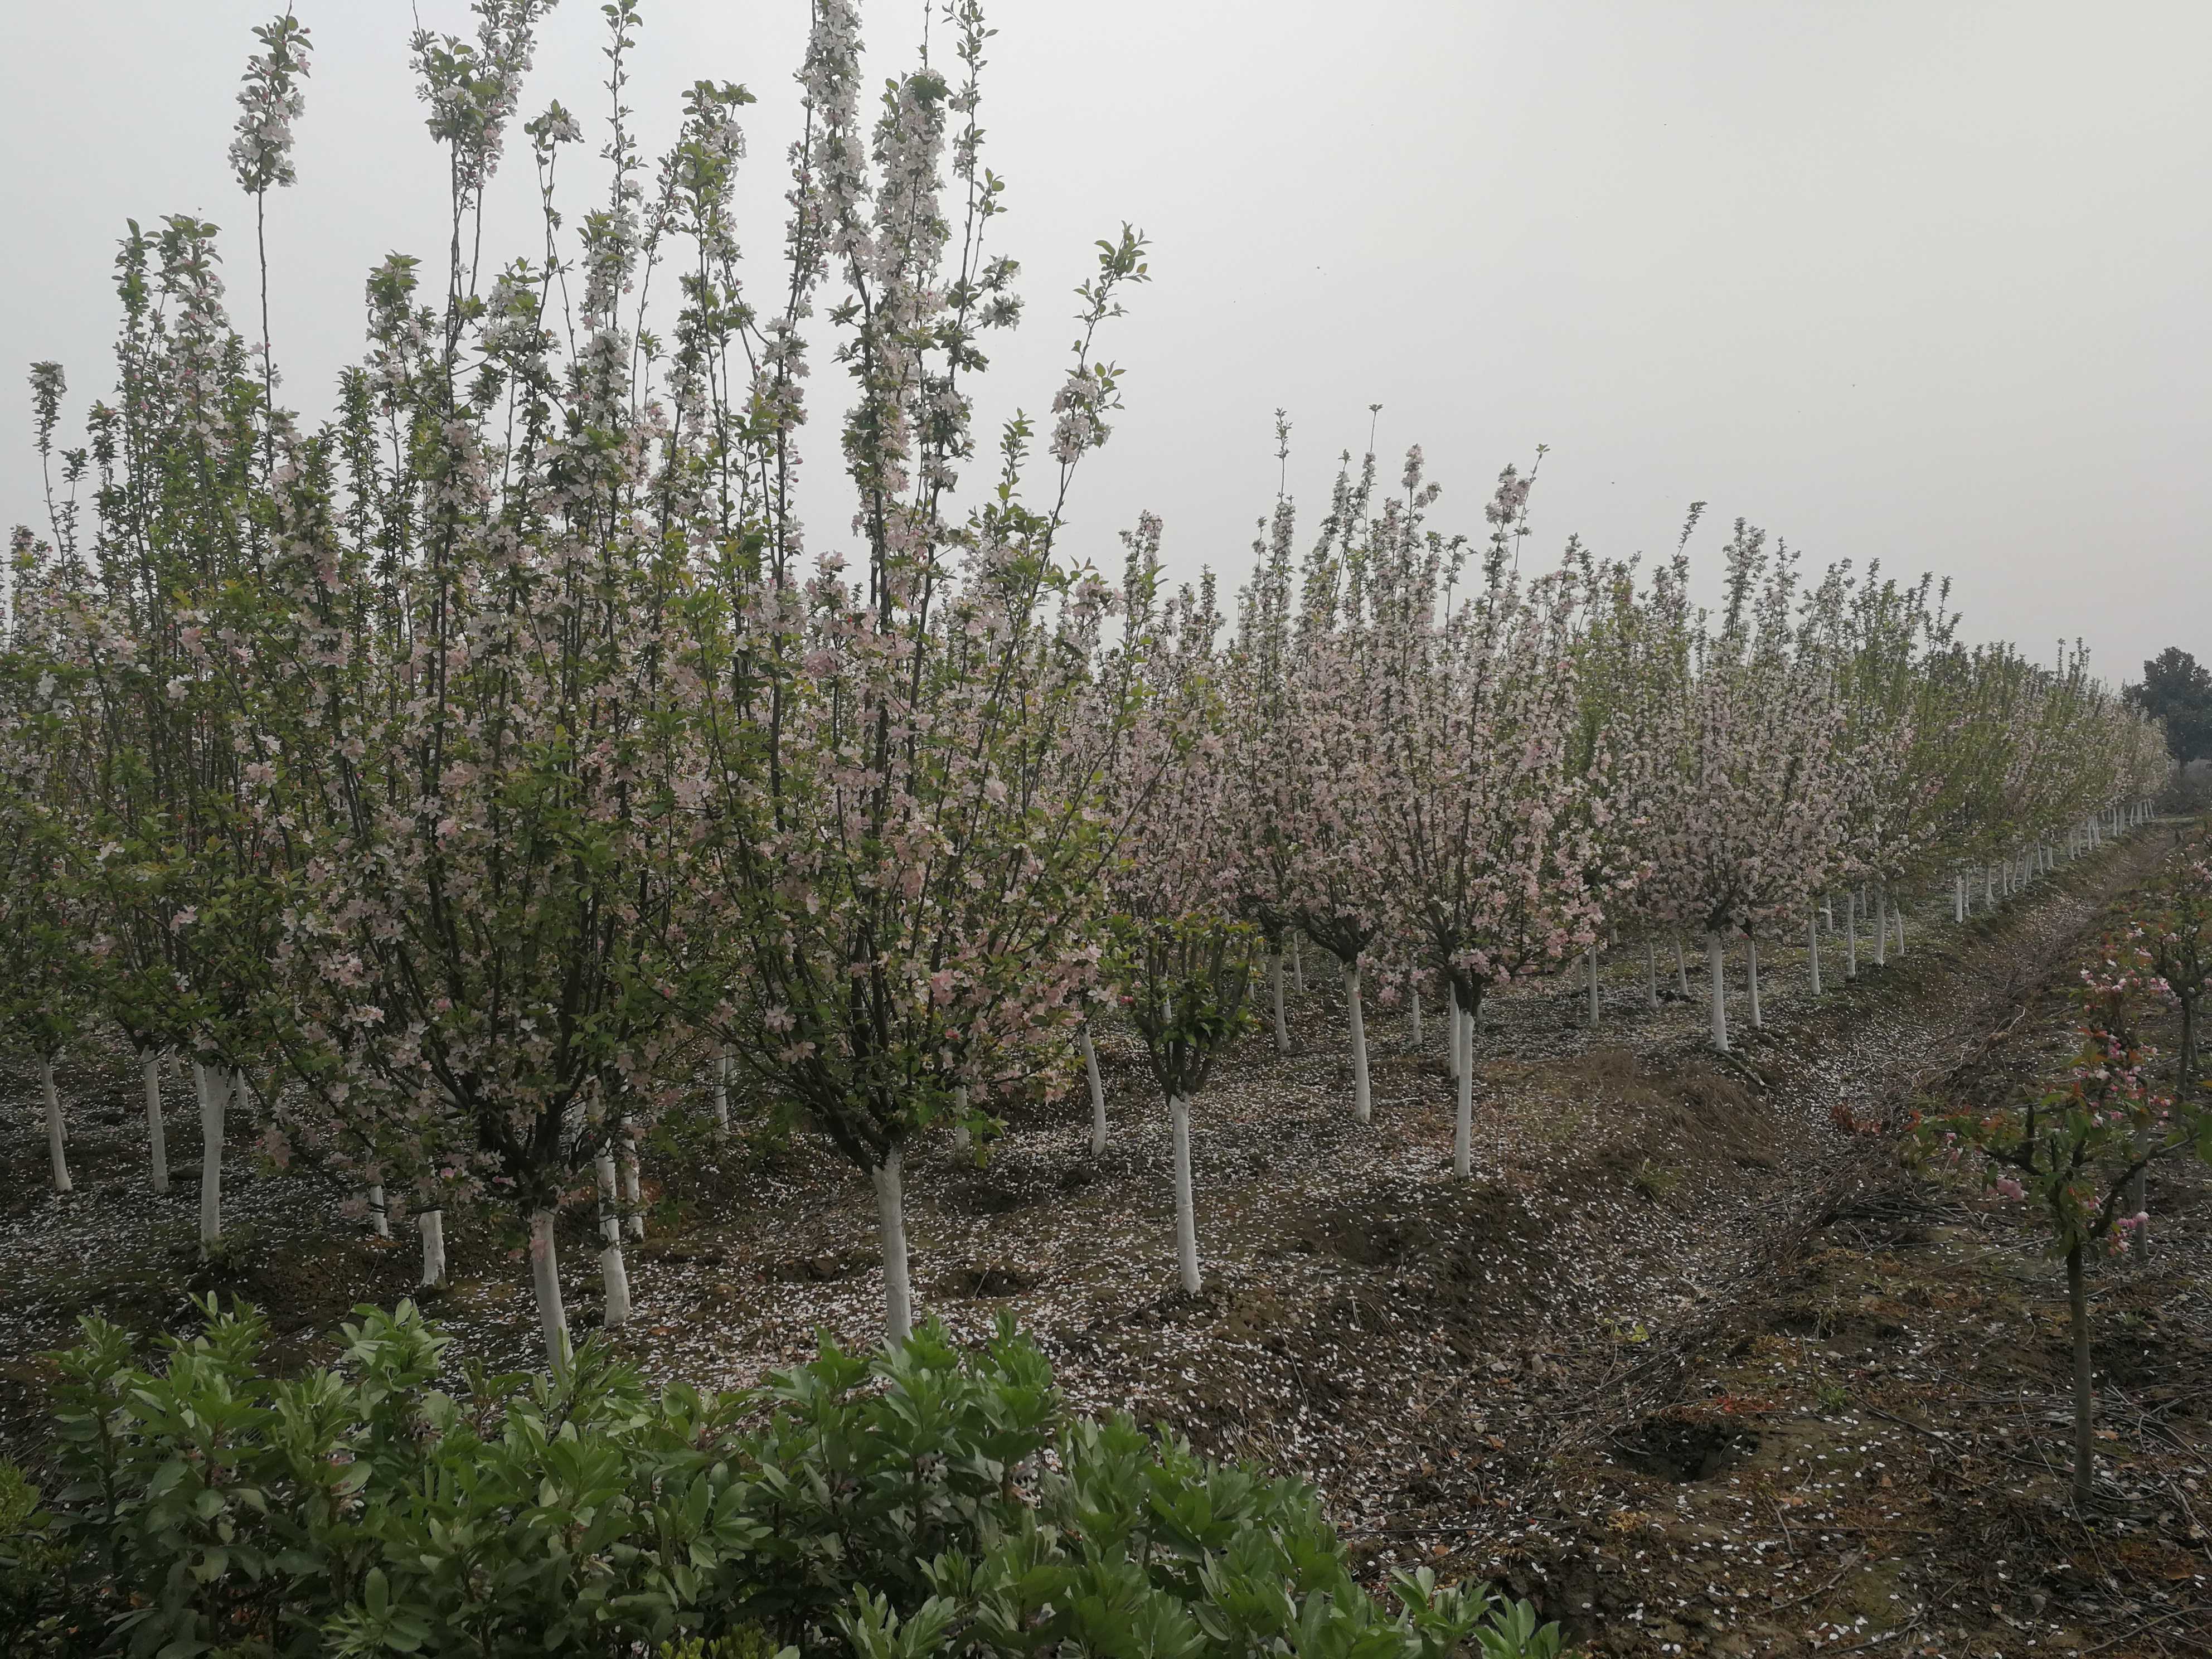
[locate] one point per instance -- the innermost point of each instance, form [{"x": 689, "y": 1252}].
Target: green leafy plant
[{"x": 920, "y": 1501}]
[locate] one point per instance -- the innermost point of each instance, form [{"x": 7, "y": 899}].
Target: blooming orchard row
[{"x": 469, "y": 781}]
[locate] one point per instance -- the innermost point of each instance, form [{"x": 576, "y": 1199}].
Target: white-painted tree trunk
[
  {"x": 1463, "y": 1118},
  {"x": 213, "y": 1093},
  {"x": 1812, "y": 952},
  {"x": 1897, "y": 915},
  {"x": 614, "y": 1271},
  {"x": 1098, "y": 1088},
  {"x": 242, "y": 1093},
  {"x": 1650, "y": 971},
  {"x": 1361, "y": 1104},
  {"x": 724, "y": 1063},
  {"x": 1593, "y": 988},
  {"x": 1275, "y": 991},
  {"x": 1413, "y": 1021},
  {"x": 379, "y": 1218},
  {"x": 431, "y": 1224},
  {"x": 57, "y": 1130},
  {"x": 1850, "y": 934},
  {"x": 1882, "y": 926},
  {"x": 545, "y": 1281},
  {"x": 633, "y": 1189},
  {"x": 1682, "y": 970},
  {"x": 963, "y": 1141},
  {"x": 1716, "y": 970},
  {"x": 890, "y": 1225},
  {"x": 1751, "y": 961},
  {"x": 157, "y": 1139},
  {"x": 1186, "y": 1209}
]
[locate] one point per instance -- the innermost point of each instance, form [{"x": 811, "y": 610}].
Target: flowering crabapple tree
[
  {"x": 45, "y": 945},
  {"x": 2074, "y": 1151},
  {"x": 1178, "y": 949},
  {"x": 491, "y": 650},
  {"x": 1750, "y": 814},
  {"x": 1488, "y": 828},
  {"x": 902, "y": 840}
]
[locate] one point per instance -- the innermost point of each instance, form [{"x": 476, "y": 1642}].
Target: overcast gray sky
[{"x": 1923, "y": 281}]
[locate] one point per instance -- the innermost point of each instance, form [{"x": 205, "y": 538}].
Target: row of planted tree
[{"x": 484, "y": 772}]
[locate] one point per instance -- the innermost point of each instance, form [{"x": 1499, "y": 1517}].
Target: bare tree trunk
[
  {"x": 1881, "y": 926},
  {"x": 1413, "y": 1020},
  {"x": 633, "y": 1192},
  {"x": 57, "y": 1128},
  {"x": 1298, "y": 967},
  {"x": 1098, "y": 1089},
  {"x": 1186, "y": 1207},
  {"x": 213, "y": 1092},
  {"x": 723, "y": 1065},
  {"x": 1275, "y": 987},
  {"x": 1464, "y": 1119},
  {"x": 545, "y": 1281},
  {"x": 1593, "y": 988},
  {"x": 614, "y": 1272},
  {"x": 1362, "y": 1105},
  {"x": 2085, "y": 1438},
  {"x": 1717, "y": 967},
  {"x": 1751, "y": 958},
  {"x": 890, "y": 1223},
  {"x": 1850, "y": 934},
  {"x": 1650, "y": 971},
  {"x": 379, "y": 1218},
  {"x": 1451, "y": 1003},
  {"x": 431, "y": 1224},
  {"x": 157, "y": 1139},
  {"x": 1682, "y": 971},
  {"x": 1812, "y": 952}
]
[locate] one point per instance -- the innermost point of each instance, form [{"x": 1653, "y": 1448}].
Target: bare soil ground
[{"x": 1692, "y": 1361}]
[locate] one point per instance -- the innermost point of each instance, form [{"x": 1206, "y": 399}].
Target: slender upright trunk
[
  {"x": 723, "y": 1063},
  {"x": 963, "y": 1139},
  {"x": 56, "y": 1131},
  {"x": 2085, "y": 1438},
  {"x": 1882, "y": 926},
  {"x": 1275, "y": 991},
  {"x": 545, "y": 1280},
  {"x": 1413, "y": 1020},
  {"x": 1682, "y": 971},
  {"x": 157, "y": 1140},
  {"x": 1650, "y": 971},
  {"x": 1361, "y": 1104},
  {"x": 1850, "y": 934},
  {"x": 1751, "y": 961},
  {"x": 1717, "y": 968},
  {"x": 431, "y": 1224},
  {"x": 1593, "y": 988},
  {"x": 633, "y": 1193},
  {"x": 1097, "y": 1090},
  {"x": 242, "y": 1092},
  {"x": 1298, "y": 968},
  {"x": 1812, "y": 952},
  {"x": 614, "y": 1272},
  {"x": 213, "y": 1093},
  {"x": 379, "y": 1218},
  {"x": 1897, "y": 915},
  {"x": 1186, "y": 1209},
  {"x": 1451, "y": 1004},
  {"x": 1464, "y": 1119},
  {"x": 890, "y": 1223}
]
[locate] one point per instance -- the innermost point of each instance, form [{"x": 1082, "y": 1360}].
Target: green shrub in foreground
[{"x": 919, "y": 1503}]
